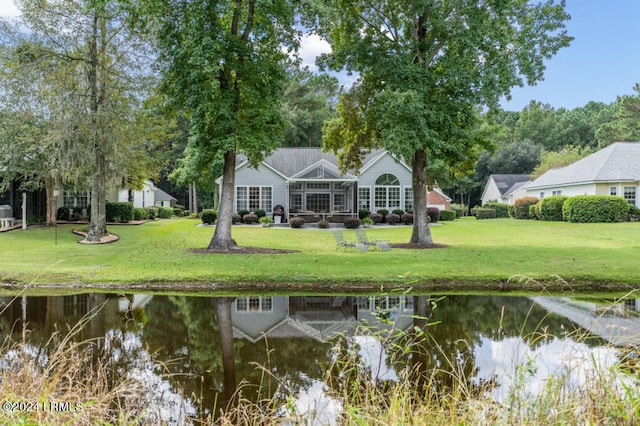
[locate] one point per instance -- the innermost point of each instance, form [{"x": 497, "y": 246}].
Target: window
[
  {"x": 75, "y": 199},
  {"x": 319, "y": 185},
  {"x": 296, "y": 202},
  {"x": 556, "y": 193},
  {"x": 387, "y": 192},
  {"x": 364, "y": 198},
  {"x": 254, "y": 304},
  {"x": 613, "y": 190},
  {"x": 339, "y": 202},
  {"x": 630, "y": 194},
  {"x": 408, "y": 199},
  {"x": 541, "y": 195},
  {"x": 253, "y": 198},
  {"x": 319, "y": 202}
]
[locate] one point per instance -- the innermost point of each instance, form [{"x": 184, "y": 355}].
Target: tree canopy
[{"x": 425, "y": 66}]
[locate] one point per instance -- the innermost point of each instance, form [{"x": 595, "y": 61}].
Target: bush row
[{"x": 577, "y": 209}]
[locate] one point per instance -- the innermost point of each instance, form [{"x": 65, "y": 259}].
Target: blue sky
[{"x": 603, "y": 61}]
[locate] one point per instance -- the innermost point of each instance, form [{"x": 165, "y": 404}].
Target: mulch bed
[
  {"x": 244, "y": 250},
  {"x": 412, "y": 246}
]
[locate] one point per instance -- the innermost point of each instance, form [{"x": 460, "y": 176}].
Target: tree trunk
[
  {"x": 98, "y": 219},
  {"x": 225, "y": 327},
  {"x": 421, "y": 233},
  {"x": 195, "y": 197},
  {"x": 222, "y": 240},
  {"x": 190, "y": 200},
  {"x": 51, "y": 201}
]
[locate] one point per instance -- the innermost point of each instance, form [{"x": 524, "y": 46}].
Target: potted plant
[
  {"x": 367, "y": 222},
  {"x": 266, "y": 221}
]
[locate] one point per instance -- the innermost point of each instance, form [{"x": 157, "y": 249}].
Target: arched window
[{"x": 387, "y": 192}]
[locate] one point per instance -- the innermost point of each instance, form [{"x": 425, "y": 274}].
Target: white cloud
[
  {"x": 8, "y": 9},
  {"x": 311, "y": 47}
]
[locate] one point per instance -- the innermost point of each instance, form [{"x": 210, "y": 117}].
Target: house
[
  {"x": 504, "y": 188},
  {"x": 162, "y": 199},
  {"x": 306, "y": 182},
  {"x": 147, "y": 196},
  {"x": 614, "y": 170},
  {"x": 33, "y": 202},
  {"x": 437, "y": 198}
]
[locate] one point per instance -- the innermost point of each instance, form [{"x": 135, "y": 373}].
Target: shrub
[
  {"x": 502, "y": 210},
  {"x": 323, "y": 224},
  {"x": 296, "y": 222},
  {"x": 376, "y": 217},
  {"x": 236, "y": 218},
  {"x": 550, "y": 208},
  {"x": 367, "y": 221},
  {"x": 460, "y": 209},
  {"x": 77, "y": 212},
  {"x": 242, "y": 212},
  {"x": 352, "y": 223},
  {"x": 260, "y": 213},
  {"x": 152, "y": 212},
  {"x": 595, "y": 208},
  {"x": 165, "y": 212},
  {"x": 178, "y": 212},
  {"x": 363, "y": 213},
  {"x": 399, "y": 212},
  {"x": 407, "y": 218},
  {"x": 434, "y": 214},
  {"x": 384, "y": 213},
  {"x": 447, "y": 215},
  {"x": 250, "y": 218},
  {"x": 208, "y": 216},
  {"x": 140, "y": 213},
  {"x": 265, "y": 220},
  {"x": 484, "y": 213},
  {"x": 119, "y": 212},
  {"x": 393, "y": 218},
  {"x": 634, "y": 213},
  {"x": 534, "y": 213},
  {"x": 63, "y": 213},
  {"x": 521, "y": 207}
]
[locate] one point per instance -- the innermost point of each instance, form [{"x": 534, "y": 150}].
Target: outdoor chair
[
  {"x": 382, "y": 245},
  {"x": 341, "y": 242}
]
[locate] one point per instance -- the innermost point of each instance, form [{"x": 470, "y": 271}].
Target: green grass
[{"x": 479, "y": 255}]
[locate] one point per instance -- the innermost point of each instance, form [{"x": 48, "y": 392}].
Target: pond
[{"x": 191, "y": 353}]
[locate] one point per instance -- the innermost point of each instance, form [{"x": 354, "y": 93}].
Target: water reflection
[{"x": 192, "y": 353}]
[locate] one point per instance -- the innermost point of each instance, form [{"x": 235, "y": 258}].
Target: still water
[{"x": 191, "y": 353}]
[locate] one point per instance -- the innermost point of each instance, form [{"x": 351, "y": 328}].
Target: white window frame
[
  {"x": 408, "y": 199},
  {"x": 253, "y": 197},
  {"x": 254, "y": 304},
  {"x": 630, "y": 194}
]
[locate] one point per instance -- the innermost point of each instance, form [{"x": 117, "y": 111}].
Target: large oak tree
[{"x": 425, "y": 67}]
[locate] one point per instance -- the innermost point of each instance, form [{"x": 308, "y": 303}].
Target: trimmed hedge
[
  {"x": 447, "y": 215},
  {"x": 376, "y": 217},
  {"x": 250, "y": 218},
  {"x": 393, "y": 218},
  {"x": 434, "y": 214},
  {"x": 407, "y": 218},
  {"x": 296, "y": 222},
  {"x": 484, "y": 213},
  {"x": 352, "y": 223},
  {"x": 502, "y": 210},
  {"x": 119, "y": 212},
  {"x": 208, "y": 216},
  {"x": 165, "y": 212},
  {"x": 363, "y": 213},
  {"x": 520, "y": 209},
  {"x": 550, "y": 208},
  {"x": 140, "y": 213},
  {"x": 595, "y": 208},
  {"x": 63, "y": 213}
]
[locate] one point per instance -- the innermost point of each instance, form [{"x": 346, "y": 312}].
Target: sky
[{"x": 602, "y": 63}]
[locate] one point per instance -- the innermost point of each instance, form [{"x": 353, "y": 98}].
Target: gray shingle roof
[
  {"x": 506, "y": 182},
  {"x": 619, "y": 161},
  {"x": 163, "y": 196},
  {"x": 290, "y": 161}
]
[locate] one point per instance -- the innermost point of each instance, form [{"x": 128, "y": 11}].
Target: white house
[
  {"x": 504, "y": 188},
  {"x": 306, "y": 182},
  {"x": 614, "y": 170}
]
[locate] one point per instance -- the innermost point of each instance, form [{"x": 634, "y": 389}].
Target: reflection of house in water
[
  {"x": 318, "y": 317},
  {"x": 612, "y": 322}
]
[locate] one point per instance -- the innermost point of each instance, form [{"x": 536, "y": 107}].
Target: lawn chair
[
  {"x": 341, "y": 242},
  {"x": 382, "y": 245}
]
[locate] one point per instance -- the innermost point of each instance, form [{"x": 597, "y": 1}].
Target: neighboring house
[
  {"x": 614, "y": 170},
  {"x": 437, "y": 198},
  {"x": 147, "y": 196},
  {"x": 306, "y": 182},
  {"x": 36, "y": 201},
  {"x": 163, "y": 199},
  {"x": 504, "y": 188}
]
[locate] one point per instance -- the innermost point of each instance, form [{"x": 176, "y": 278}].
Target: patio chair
[
  {"x": 341, "y": 242},
  {"x": 382, "y": 245}
]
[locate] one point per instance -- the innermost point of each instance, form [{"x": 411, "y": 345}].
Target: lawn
[{"x": 479, "y": 255}]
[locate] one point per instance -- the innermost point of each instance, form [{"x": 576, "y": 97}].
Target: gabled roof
[
  {"x": 515, "y": 187},
  {"x": 506, "y": 182},
  {"x": 618, "y": 162},
  {"x": 290, "y": 162},
  {"x": 163, "y": 196}
]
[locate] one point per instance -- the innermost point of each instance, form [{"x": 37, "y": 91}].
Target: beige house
[{"x": 614, "y": 170}]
